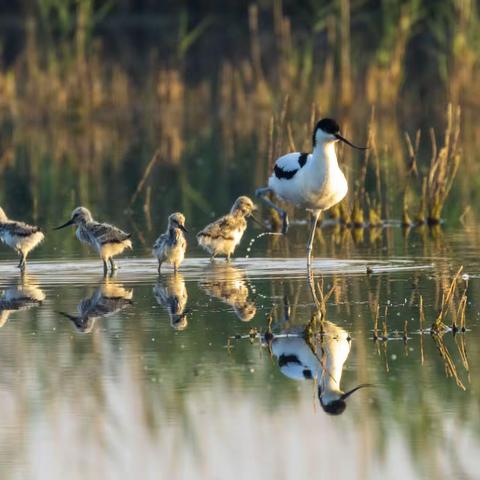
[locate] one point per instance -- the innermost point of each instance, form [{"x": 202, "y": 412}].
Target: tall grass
[
  {"x": 260, "y": 103},
  {"x": 436, "y": 183}
]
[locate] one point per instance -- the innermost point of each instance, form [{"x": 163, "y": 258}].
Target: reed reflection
[
  {"x": 229, "y": 284},
  {"x": 19, "y": 297},
  {"x": 109, "y": 298},
  {"x": 171, "y": 292}
]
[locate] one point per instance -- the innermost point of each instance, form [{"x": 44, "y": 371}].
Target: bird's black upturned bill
[
  {"x": 337, "y": 135},
  {"x": 353, "y": 390}
]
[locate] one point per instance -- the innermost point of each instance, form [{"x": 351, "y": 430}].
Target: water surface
[{"x": 138, "y": 375}]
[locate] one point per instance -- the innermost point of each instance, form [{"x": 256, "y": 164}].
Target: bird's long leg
[
  {"x": 23, "y": 261},
  {"x": 159, "y": 267},
  {"x": 316, "y": 215},
  {"x": 261, "y": 193},
  {"x": 105, "y": 267},
  {"x": 286, "y": 309},
  {"x": 113, "y": 267},
  {"x": 311, "y": 284}
]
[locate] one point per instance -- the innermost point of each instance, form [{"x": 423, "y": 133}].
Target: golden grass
[
  {"x": 443, "y": 166},
  {"x": 269, "y": 100}
]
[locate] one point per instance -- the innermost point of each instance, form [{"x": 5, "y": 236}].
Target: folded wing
[
  {"x": 105, "y": 233},
  {"x": 223, "y": 228}
]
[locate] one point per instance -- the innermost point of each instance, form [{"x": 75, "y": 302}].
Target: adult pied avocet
[
  {"x": 322, "y": 360},
  {"x": 312, "y": 181},
  {"x": 106, "y": 239}
]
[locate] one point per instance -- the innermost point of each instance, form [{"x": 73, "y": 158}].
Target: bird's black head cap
[
  {"x": 337, "y": 407},
  {"x": 328, "y": 125}
]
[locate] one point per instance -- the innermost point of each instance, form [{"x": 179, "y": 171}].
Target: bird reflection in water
[
  {"x": 171, "y": 292},
  {"x": 21, "y": 296},
  {"x": 304, "y": 354},
  {"x": 109, "y": 298},
  {"x": 229, "y": 284}
]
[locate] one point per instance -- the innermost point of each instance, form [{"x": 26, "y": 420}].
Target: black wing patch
[
  {"x": 286, "y": 359},
  {"x": 307, "y": 374},
  {"x": 288, "y": 174},
  {"x": 281, "y": 173},
  {"x": 302, "y": 159}
]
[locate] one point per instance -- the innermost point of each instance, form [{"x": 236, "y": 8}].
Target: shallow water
[{"x": 140, "y": 377}]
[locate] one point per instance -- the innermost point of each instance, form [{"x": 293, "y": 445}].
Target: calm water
[{"x": 136, "y": 376}]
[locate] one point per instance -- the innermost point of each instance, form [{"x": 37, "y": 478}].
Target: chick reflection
[
  {"x": 323, "y": 360},
  {"x": 22, "y": 296},
  {"x": 228, "y": 283},
  {"x": 107, "y": 299},
  {"x": 171, "y": 292}
]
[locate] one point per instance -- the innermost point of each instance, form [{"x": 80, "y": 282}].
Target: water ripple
[{"x": 195, "y": 269}]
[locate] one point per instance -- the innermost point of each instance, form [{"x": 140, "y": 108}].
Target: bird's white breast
[{"x": 318, "y": 185}]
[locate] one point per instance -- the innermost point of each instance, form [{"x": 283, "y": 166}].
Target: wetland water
[{"x": 135, "y": 376}]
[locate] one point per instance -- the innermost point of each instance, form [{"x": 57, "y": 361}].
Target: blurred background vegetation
[{"x": 152, "y": 106}]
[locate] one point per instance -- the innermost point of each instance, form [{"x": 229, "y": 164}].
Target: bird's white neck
[
  {"x": 325, "y": 154},
  {"x": 331, "y": 377},
  {"x": 335, "y": 353}
]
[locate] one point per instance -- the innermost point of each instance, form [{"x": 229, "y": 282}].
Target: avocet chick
[
  {"x": 222, "y": 236},
  {"x": 170, "y": 246},
  {"x": 106, "y": 239},
  {"x": 106, "y": 300},
  {"x": 229, "y": 284},
  {"x": 20, "y": 236},
  {"x": 172, "y": 294},
  {"x": 19, "y": 297}
]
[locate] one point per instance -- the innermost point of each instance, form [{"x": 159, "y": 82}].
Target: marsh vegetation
[{"x": 90, "y": 114}]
